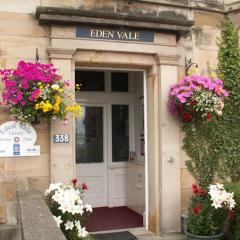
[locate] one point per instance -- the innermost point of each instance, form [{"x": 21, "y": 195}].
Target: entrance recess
[
  {"x": 160, "y": 65},
  {"x": 109, "y": 135},
  {"x": 106, "y": 133}
]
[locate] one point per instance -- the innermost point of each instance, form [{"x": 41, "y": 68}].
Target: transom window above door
[
  {"x": 90, "y": 81},
  {"x": 102, "y": 81}
]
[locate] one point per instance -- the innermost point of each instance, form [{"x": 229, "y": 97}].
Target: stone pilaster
[
  {"x": 62, "y": 155},
  {"x": 169, "y": 156}
]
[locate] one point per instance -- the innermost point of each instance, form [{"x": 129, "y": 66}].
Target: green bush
[
  {"x": 235, "y": 222},
  {"x": 227, "y": 142},
  {"x": 203, "y": 218}
]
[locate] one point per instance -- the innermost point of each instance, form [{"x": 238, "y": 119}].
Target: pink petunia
[
  {"x": 67, "y": 83},
  {"x": 23, "y": 102}
]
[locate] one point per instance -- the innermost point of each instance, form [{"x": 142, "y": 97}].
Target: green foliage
[
  {"x": 198, "y": 144},
  {"x": 214, "y": 147},
  {"x": 229, "y": 125},
  {"x": 235, "y": 226}
]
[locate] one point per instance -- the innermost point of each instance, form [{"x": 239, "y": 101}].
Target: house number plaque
[{"x": 61, "y": 138}]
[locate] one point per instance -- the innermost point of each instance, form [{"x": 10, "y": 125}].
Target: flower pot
[{"x": 197, "y": 237}]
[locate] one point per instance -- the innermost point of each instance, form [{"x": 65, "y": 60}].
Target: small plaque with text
[{"x": 61, "y": 138}]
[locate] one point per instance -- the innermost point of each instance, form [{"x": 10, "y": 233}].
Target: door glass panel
[
  {"x": 89, "y": 135},
  {"x": 120, "y": 133},
  {"x": 90, "y": 80},
  {"x": 119, "y": 82}
]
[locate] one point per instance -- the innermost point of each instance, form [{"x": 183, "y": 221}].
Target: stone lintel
[
  {"x": 60, "y": 53},
  {"x": 53, "y": 15}
]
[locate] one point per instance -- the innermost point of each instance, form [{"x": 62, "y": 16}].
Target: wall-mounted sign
[
  {"x": 17, "y": 140},
  {"x": 61, "y": 138},
  {"x": 114, "y": 34}
]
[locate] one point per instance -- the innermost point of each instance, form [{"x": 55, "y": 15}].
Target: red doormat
[{"x": 105, "y": 218}]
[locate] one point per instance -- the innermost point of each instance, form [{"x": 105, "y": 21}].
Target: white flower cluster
[
  {"x": 206, "y": 101},
  {"x": 220, "y": 197},
  {"x": 69, "y": 199},
  {"x": 82, "y": 233},
  {"x": 52, "y": 188}
]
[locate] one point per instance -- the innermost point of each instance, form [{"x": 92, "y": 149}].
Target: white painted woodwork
[
  {"x": 95, "y": 174},
  {"x": 136, "y": 187}
]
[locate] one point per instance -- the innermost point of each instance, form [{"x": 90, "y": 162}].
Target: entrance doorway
[{"x": 110, "y": 141}]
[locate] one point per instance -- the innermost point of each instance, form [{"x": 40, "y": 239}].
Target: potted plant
[
  {"x": 68, "y": 208},
  {"x": 208, "y": 212},
  {"x": 197, "y": 97},
  {"x": 34, "y": 90}
]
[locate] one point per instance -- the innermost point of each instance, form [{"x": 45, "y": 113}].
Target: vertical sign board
[{"x": 17, "y": 140}]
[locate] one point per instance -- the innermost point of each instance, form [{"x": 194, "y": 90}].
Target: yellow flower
[
  {"x": 56, "y": 108},
  {"x": 77, "y": 87},
  {"x": 75, "y": 109},
  {"x": 60, "y": 90},
  {"x": 57, "y": 99},
  {"x": 37, "y": 106},
  {"x": 47, "y": 107}
]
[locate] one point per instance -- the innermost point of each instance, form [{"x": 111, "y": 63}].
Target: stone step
[
  {"x": 163, "y": 237},
  {"x": 143, "y": 234},
  {"x": 10, "y": 232}
]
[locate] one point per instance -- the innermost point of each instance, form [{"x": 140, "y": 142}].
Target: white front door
[
  {"x": 102, "y": 147},
  {"x": 91, "y": 153},
  {"x": 105, "y": 133}
]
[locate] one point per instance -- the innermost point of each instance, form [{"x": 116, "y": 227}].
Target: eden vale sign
[
  {"x": 17, "y": 140},
  {"x": 114, "y": 34}
]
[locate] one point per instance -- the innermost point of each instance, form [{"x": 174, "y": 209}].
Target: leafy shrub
[
  {"x": 209, "y": 210},
  {"x": 235, "y": 221}
]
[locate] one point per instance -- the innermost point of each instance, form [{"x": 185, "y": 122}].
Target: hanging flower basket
[
  {"x": 197, "y": 97},
  {"x": 34, "y": 90}
]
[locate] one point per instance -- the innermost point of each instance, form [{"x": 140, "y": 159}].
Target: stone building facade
[{"x": 182, "y": 28}]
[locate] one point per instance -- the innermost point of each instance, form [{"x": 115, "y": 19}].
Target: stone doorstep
[
  {"x": 151, "y": 236},
  {"x": 143, "y": 234}
]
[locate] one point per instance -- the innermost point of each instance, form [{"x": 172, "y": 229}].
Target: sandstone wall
[{"x": 20, "y": 35}]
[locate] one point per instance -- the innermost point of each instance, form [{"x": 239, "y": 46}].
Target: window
[
  {"x": 119, "y": 82},
  {"x": 120, "y": 133},
  {"x": 89, "y": 136},
  {"x": 90, "y": 80}
]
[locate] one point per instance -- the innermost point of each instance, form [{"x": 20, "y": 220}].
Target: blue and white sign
[{"x": 18, "y": 140}]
